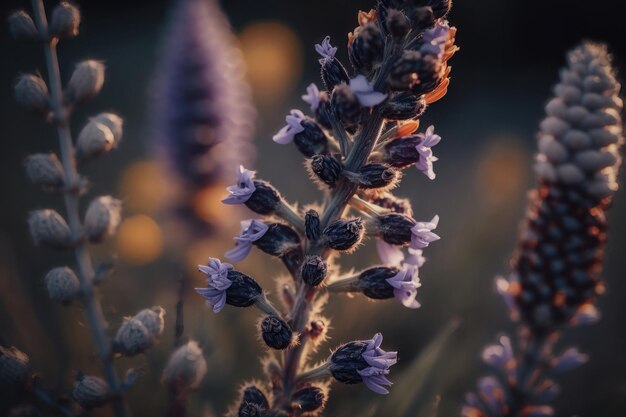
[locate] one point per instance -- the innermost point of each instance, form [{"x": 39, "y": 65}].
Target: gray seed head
[
  {"x": 94, "y": 139},
  {"x": 133, "y": 338},
  {"x": 86, "y": 81},
  {"x": 47, "y": 227},
  {"x": 113, "y": 122},
  {"x": 90, "y": 391},
  {"x": 186, "y": 367},
  {"x": 44, "y": 169},
  {"x": 31, "y": 92},
  {"x": 62, "y": 284},
  {"x": 65, "y": 20},
  {"x": 22, "y": 27},
  {"x": 102, "y": 218},
  {"x": 152, "y": 319},
  {"x": 14, "y": 368}
]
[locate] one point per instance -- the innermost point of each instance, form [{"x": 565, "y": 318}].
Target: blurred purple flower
[
  {"x": 293, "y": 127},
  {"x": 380, "y": 362},
  {"x": 251, "y": 231},
  {"x": 325, "y": 49},
  {"x": 422, "y": 234},
  {"x": 217, "y": 283},
  {"x": 405, "y": 284},
  {"x": 243, "y": 189},
  {"x": 425, "y": 163},
  {"x": 365, "y": 93},
  {"x": 312, "y": 96}
]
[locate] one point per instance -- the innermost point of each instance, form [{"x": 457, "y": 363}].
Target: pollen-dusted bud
[
  {"x": 372, "y": 176},
  {"x": 314, "y": 270},
  {"x": 345, "y": 105},
  {"x": 113, "y": 122},
  {"x": 90, "y": 391},
  {"x": 278, "y": 240},
  {"x": 276, "y": 333},
  {"x": 397, "y": 23},
  {"x": 403, "y": 106},
  {"x": 366, "y": 48},
  {"x": 14, "y": 369},
  {"x": 308, "y": 398},
  {"x": 252, "y": 400},
  {"x": 327, "y": 168},
  {"x": 21, "y": 26},
  {"x": 265, "y": 198},
  {"x": 94, "y": 139},
  {"x": 102, "y": 218},
  {"x": 373, "y": 282},
  {"x": 63, "y": 284},
  {"x": 395, "y": 228},
  {"x": 132, "y": 338},
  {"x": 86, "y": 81},
  {"x": 31, "y": 92},
  {"x": 186, "y": 368},
  {"x": 65, "y": 20},
  {"x": 152, "y": 319},
  {"x": 312, "y": 140},
  {"x": 44, "y": 169},
  {"x": 333, "y": 73},
  {"x": 343, "y": 235},
  {"x": 49, "y": 228},
  {"x": 402, "y": 152},
  {"x": 312, "y": 225}
]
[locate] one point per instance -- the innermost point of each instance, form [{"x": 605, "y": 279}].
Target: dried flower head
[
  {"x": 49, "y": 228},
  {"x": 62, "y": 284},
  {"x": 31, "y": 92},
  {"x": 90, "y": 391},
  {"x": 65, "y": 20}
]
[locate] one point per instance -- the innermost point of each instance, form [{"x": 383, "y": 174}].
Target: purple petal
[
  {"x": 239, "y": 252},
  {"x": 312, "y": 96},
  {"x": 325, "y": 49},
  {"x": 371, "y": 99},
  {"x": 389, "y": 254}
]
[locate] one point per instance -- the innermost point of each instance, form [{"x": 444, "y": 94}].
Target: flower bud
[
  {"x": 393, "y": 203},
  {"x": 343, "y": 235},
  {"x": 397, "y": 23},
  {"x": 113, "y": 122},
  {"x": 132, "y": 338},
  {"x": 44, "y": 169},
  {"x": 312, "y": 225},
  {"x": 403, "y": 106},
  {"x": 186, "y": 368},
  {"x": 333, "y": 73},
  {"x": 31, "y": 92},
  {"x": 278, "y": 240},
  {"x": 323, "y": 112},
  {"x": 312, "y": 140},
  {"x": 63, "y": 284},
  {"x": 402, "y": 152},
  {"x": 14, "y": 369},
  {"x": 365, "y": 49},
  {"x": 308, "y": 398},
  {"x": 243, "y": 291},
  {"x": 65, "y": 20},
  {"x": 419, "y": 72},
  {"x": 94, "y": 139},
  {"x": 314, "y": 270},
  {"x": 327, "y": 168},
  {"x": 373, "y": 282},
  {"x": 21, "y": 26},
  {"x": 152, "y": 319},
  {"x": 276, "y": 333},
  {"x": 49, "y": 228},
  {"x": 90, "y": 391},
  {"x": 377, "y": 176},
  {"x": 265, "y": 198},
  {"x": 422, "y": 18},
  {"x": 86, "y": 81},
  {"x": 252, "y": 400},
  {"x": 345, "y": 105},
  {"x": 440, "y": 7},
  {"x": 317, "y": 330},
  {"x": 395, "y": 228},
  {"x": 102, "y": 218}
]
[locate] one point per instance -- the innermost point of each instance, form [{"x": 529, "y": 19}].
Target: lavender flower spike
[
  {"x": 312, "y": 96},
  {"x": 405, "y": 284},
  {"x": 293, "y": 127},
  {"x": 380, "y": 362},
  {"x": 425, "y": 163},
  {"x": 241, "y": 192},
  {"x": 325, "y": 49},
  {"x": 365, "y": 93},
  {"x": 251, "y": 231},
  {"x": 217, "y": 283},
  {"x": 422, "y": 234}
]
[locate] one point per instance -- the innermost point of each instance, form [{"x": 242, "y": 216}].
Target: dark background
[{"x": 510, "y": 55}]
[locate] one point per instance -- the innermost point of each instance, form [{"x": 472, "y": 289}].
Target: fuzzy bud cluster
[{"x": 138, "y": 333}]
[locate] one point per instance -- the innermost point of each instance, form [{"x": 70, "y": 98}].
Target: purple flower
[
  {"x": 365, "y": 93},
  {"x": 434, "y": 39},
  {"x": 325, "y": 49},
  {"x": 251, "y": 231},
  {"x": 293, "y": 127},
  {"x": 392, "y": 255},
  {"x": 425, "y": 162},
  {"x": 405, "y": 284},
  {"x": 380, "y": 362},
  {"x": 241, "y": 192},
  {"x": 500, "y": 356},
  {"x": 217, "y": 283},
  {"x": 422, "y": 234},
  {"x": 571, "y": 359},
  {"x": 312, "y": 96}
]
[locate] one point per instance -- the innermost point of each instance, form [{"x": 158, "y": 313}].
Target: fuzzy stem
[
  {"x": 93, "y": 309},
  {"x": 315, "y": 373},
  {"x": 287, "y": 213}
]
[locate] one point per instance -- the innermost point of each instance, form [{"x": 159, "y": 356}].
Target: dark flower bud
[
  {"x": 323, "y": 112},
  {"x": 417, "y": 72},
  {"x": 343, "y": 235},
  {"x": 312, "y": 140},
  {"x": 314, "y": 270},
  {"x": 312, "y": 225},
  {"x": 251, "y": 410},
  {"x": 265, "y": 198},
  {"x": 278, "y": 240},
  {"x": 423, "y": 18},
  {"x": 31, "y": 92},
  {"x": 377, "y": 176},
  {"x": 347, "y": 360},
  {"x": 276, "y": 333},
  {"x": 345, "y": 105},
  {"x": 308, "y": 398},
  {"x": 393, "y": 203},
  {"x": 373, "y": 282},
  {"x": 253, "y": 396},
  {"x": 404, "y": 106},
  {"x": 14, "y": 369},
  {"x": 402, "y": 152},
  {"x": 65, "y": 20},
  {"x": 327, "y": 168},
  {"x": 333, "y": 73},
  {"x": 395, "y": 228},
  {"x": 62, "y": 284},
  {"x": 366, "y": 48},
  {"x": 21, "y": 26},
  {"x": 397, "y": 23},
  {"x": 44, "y": 169},
  {"x": 243, "y": 291},
  {"x": 90, "y": 391}
]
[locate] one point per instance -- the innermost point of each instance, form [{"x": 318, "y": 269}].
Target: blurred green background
[{"x": 510, "y": 54}]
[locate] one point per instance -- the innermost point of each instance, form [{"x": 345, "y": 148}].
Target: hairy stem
[{"x": 93, "y": 309}]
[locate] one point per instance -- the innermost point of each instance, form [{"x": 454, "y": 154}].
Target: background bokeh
[{"x": 510, "y": 54}]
